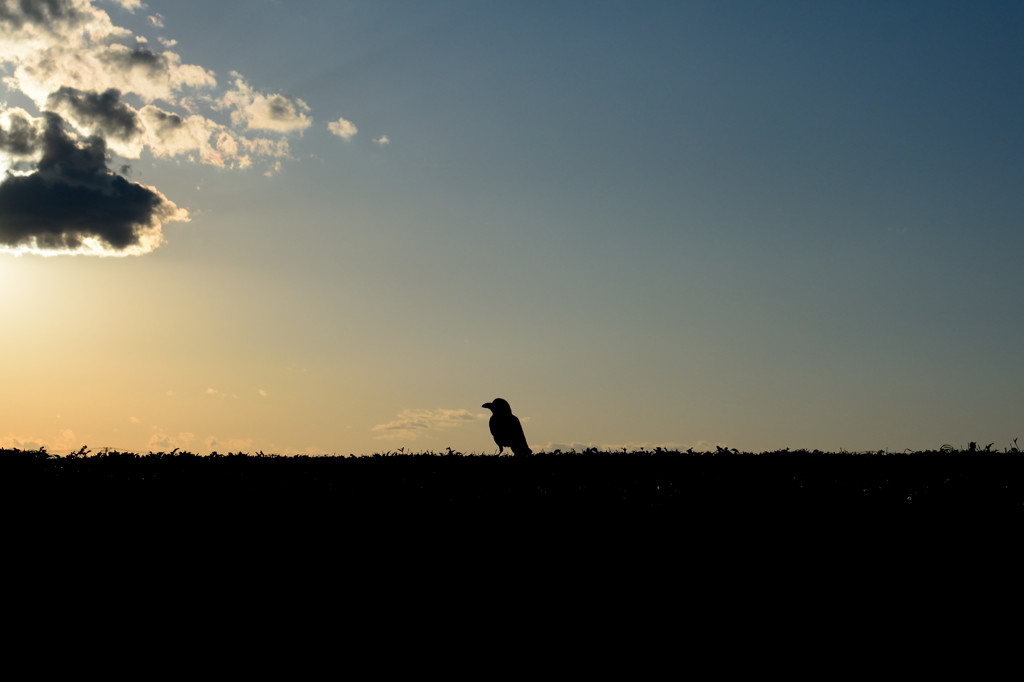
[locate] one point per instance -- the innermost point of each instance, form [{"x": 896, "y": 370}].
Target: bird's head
[{"x": 498, "y": 406}]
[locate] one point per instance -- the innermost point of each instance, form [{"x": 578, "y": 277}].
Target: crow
[{"x": 506, "y": 429}]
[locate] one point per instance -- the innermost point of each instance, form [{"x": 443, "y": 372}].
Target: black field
[
  {"x": 659, "y": 484},
  {"x": 697, "y": 543}
]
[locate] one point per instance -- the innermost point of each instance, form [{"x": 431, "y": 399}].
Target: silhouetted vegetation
[{"x": 415, "y": 485}]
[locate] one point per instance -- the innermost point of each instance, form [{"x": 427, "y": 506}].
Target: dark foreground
[
  {"x": 699, "y": 544},
  {"x": 414, "y": 486}
]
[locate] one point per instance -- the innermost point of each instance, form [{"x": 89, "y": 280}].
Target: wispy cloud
[
  {"x": 409, "y": 424},
  {"x": 383, "y": 140}
]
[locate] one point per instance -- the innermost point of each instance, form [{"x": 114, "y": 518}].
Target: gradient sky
[{"x": 348, "y": 224}]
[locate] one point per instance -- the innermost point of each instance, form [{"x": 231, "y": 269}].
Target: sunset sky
[{"x": 341, "y": 226}]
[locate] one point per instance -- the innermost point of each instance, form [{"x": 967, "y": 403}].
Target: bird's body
[{"x": 506, "y": 429}]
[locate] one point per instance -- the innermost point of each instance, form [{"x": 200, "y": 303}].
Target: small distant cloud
[
  {"x": 262, "y": 393},
  {"x": 636, "y": 446},
  {"x": 707, "y": 445},
  {"x": 629, "y": 446},
  {"x": 161, "y": 441},
  {"x": 408, "y": 424},
  {"x": 568, "y": 446},
  {"x": 134, "y": 420},
  {"x": 157, "y": 20},
  {"x": 383, "y": 140},
  {"x": 346, "y": 130},
  {"x": 214, "y": 443},
  {"x": 167, "y": 42},
  {"x": 279, "y": 113},
  {"x": 223, "y": 395},
  {"x": 130, "y": 5}
]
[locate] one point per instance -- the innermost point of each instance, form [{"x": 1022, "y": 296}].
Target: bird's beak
[{"x": 487, "y": 405}]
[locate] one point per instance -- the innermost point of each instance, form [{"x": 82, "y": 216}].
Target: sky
[{"x": 335, "y": 227}]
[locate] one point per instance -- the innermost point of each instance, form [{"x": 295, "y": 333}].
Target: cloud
[
  {"x": 170, "y": 134},
  {"x": 47, "y": 23},
  {"x": 138, "y": 69},
  {"x": 19, "y": 134},
  {"x": 383, "y": 140},
  {"x": 346, "y": 130},
  {"x": 72, "y": 203},
  {"x": 162, "y": 441},
  {"x": 630, "y": 446},
  {"x": 64, "y": 442},
  {"x": 411, "y": 423},
  {"x": 213, "y": 444},
  {"x": 128, "y": 131},
  {"x": 255, "y": 110},
  {"x": 97, "y": 114},
  {"x": 102, "y": 91}
]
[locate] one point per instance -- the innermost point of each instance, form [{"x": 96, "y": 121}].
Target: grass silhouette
[
  {"x": 397, "y": 483},
  {"x": 380, "y": 535}
]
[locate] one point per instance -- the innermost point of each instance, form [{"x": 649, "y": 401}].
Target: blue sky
[{"x": 761, "y": 225}]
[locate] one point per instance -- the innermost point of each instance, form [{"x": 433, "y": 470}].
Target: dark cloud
[
  {"x": 43, "y": 13},
  {"x": 20, "y": 138},
  {"x": 102, "y": 113},
  {"x": 73, "y": 198},
  {"x": 163, "y": 120},
  {"x": 126, "y": 59},
  {"x": 281, "y": 108}
]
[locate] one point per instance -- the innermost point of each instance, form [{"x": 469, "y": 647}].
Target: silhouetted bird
[{"x": 506, "y": 429}]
